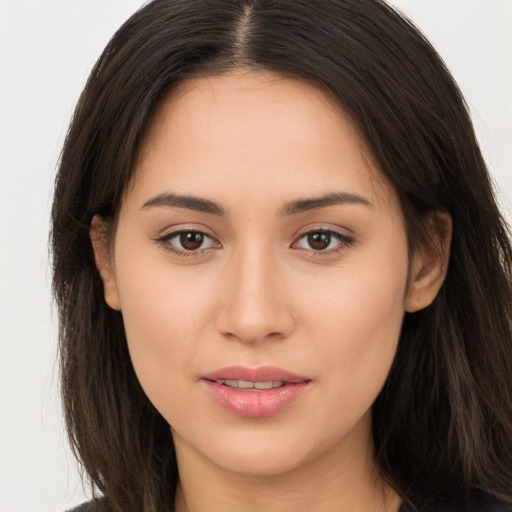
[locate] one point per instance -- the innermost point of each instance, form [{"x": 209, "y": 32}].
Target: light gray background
[{"x": 47, "y": 48}]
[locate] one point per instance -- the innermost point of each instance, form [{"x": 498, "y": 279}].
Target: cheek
[
  {"x": 356, "y": 323},
  {"x": 165, "y": 314}
]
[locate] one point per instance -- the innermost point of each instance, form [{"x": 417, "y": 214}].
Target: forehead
[
  {"x": 256, "y": 132},
  {"x": 245, "y": 104}
]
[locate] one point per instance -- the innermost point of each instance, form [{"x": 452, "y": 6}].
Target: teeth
[
  {"x": 245, "y": 384},
  {"x": 263, "y": 385}
]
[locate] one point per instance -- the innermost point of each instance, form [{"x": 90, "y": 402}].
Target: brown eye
[
  {"x": 319, "y": 240},
  {"x": 187, "y": 243},
  {"x": 191, "y": 240},
  {"x": 323, "y": 241}
]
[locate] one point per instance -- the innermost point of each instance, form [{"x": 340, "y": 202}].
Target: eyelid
[
  {"x": 344, "y": 241},
  {"x": 167, "y": 235},
  {"x": 164, "y": 240}
]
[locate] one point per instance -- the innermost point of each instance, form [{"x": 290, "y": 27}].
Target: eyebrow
[
  {"x": 292, "y": 208},
  {"x": 333, "y": 199},
  {"x": 188, "y": 202}
]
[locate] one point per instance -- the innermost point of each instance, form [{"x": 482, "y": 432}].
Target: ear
[
  {"x": 430, "y": 263},
  {"x": 104, "y": 261}
]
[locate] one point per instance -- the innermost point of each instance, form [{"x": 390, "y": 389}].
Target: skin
[{"x": 257, "y": 293}]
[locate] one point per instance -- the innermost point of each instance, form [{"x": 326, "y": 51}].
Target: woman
[{"x": 283, "y": 280}]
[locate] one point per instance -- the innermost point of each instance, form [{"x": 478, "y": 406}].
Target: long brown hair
[{"x": 444, "y": 416}]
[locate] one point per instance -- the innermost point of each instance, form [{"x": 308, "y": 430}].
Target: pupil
[
  {"x": 319, "y": 240},
  {"x": 191, "y": 241}
]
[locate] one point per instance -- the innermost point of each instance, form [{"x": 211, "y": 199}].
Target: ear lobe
[
  {"x": 104, "y": 263},
  {"x": 429, "y": 264}
]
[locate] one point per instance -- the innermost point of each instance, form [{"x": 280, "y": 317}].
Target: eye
[
  {"x": 323, "y": 241},
  {"x": 187, "y": 242}
]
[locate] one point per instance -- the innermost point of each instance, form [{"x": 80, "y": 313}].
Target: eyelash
[
  {"x": 166, "y": 242},
  {"x": 344, "y": 242}
]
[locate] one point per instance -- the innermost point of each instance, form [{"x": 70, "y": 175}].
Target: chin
[
  {"x": 262, "y": 450},
  {"x": 262, "y": 464}
]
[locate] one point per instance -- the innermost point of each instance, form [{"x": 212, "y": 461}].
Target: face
[{"x": 260, "y": 263}]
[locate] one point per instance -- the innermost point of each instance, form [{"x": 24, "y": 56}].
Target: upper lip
[{"x": 261, "y": 374}]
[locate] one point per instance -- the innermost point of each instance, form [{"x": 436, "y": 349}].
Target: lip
[
  {"x": 260, "y": 374},
  {"x": 251, "y": 403}
]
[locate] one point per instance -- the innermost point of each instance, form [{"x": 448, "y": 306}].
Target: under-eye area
[
  {"x": 187, "y": 243},
  {"x": 190, "y": 243},
  {"x": 323, "y": 241}
]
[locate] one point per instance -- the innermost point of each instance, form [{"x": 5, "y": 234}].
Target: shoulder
[{"x": 477, "y": 501}]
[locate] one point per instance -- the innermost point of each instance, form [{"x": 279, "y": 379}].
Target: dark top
[{"x": 477, "y": 502}]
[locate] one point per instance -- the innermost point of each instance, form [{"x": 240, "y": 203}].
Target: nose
[{"x": 255, "y": 304}]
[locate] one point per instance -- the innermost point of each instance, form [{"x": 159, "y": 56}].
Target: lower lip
[{"x": 255, "y": 404}]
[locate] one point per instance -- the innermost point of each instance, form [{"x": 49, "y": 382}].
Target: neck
[{"x": 339, "y": 480}]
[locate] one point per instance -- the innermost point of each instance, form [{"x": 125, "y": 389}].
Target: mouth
[
  {"x": 255, "y": 393},
  {"x": 247, "y": 385}
]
